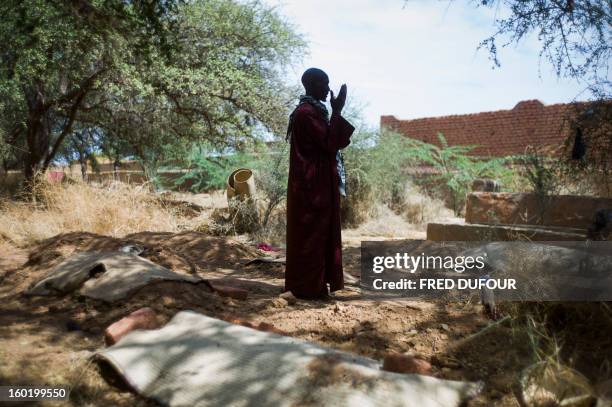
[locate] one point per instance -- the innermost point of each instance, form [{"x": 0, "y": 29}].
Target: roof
[{"x": 499, "y": 133}]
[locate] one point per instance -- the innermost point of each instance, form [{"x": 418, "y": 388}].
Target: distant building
[{"x": 499, "y": 133}]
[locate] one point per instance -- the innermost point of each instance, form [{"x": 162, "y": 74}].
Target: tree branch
[{"x": 67, "y": 129}]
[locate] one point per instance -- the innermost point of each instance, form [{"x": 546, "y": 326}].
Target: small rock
[
  {"x": 400, "y": 363},
  {"x": 229, "y": 301},
  {"x": 279, "y": 302},
  {"x": 412, "y": 332},
  {"x": 144, "y": 318},
  {"x": 445, "y": 327},
  {"x": 289, "y": 297},
  {"x": 79, "y": 316},
  {"x": 134, "y": 249}
]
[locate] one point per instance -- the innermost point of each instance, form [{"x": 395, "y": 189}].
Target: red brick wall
[{"x": 499, "y": 133}]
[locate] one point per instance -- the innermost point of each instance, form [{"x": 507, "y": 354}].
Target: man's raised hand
[{"x": 337, "y": 103}]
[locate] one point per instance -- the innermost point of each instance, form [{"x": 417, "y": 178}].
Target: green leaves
[
  {"x": 150, "y": 75},
  {"x": 456, "y": 168},
  {"x": 381, "y": 164},
  {"x": 209, "y": 167}
]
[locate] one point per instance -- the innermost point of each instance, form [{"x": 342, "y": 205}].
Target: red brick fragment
[
  {"x": 399, "y": 363},
  {"x": 231, "y": 292},
  {"x": 144, "y": 318},
  {"x": 241, "y": 322}
]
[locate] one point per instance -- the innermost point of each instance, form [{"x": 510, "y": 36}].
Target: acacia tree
[
  {"x": 147, "y": 74},
  {"x": 575, "y": 36},
  {"x": 81, "y": 145},
  {"x": 220, "y": 82},
  {"x": 54, "y": 56}
]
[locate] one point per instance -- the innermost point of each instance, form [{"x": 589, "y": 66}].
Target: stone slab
[
  {"x": 528, "y": 209},
  {"x": 447, "y": 232},
  {"x": 198, "y": 361}
]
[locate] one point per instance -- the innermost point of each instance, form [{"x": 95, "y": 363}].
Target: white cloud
[{"x": 418, "y": 59}]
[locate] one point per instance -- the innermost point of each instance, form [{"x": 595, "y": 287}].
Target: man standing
[{"x": 314, "y": 246}]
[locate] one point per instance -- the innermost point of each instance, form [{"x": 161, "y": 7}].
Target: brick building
[{"x": 499, "y": 133}]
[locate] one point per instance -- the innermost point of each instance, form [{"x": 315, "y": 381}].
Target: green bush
[
  {"x": 272, "y": 172},
  {"x": 377, "y": 167},
  {"x": 208, "y": 167},
  {"x": 455, "y": 169},
  {"x": 375, "y": 170},
  {"x": 378, "y": 164}
]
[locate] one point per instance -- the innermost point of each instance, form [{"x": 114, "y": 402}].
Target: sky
[{"x": 419, "y": 58}]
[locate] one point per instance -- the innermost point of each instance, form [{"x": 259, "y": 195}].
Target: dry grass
[
  {"x": 409, "y": 211},
  {"x": 117, "y": 209},
  {"x": 568, "y": 349},
  {"x": 114, "y": 210},
  {"x": 275, "y": 231},
  {"x": 385, "y": 223},
  {"x": 419, "y": 209},
  {"x": 242, "y": 218}
]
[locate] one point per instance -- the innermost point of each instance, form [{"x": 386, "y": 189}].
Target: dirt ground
[{"x": 49, "y": 339}]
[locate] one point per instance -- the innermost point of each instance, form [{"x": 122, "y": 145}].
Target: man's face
[{"x": 320, "y": 88}]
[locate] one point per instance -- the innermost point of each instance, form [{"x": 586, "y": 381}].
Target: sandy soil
[{"x": 49, "y": 339}]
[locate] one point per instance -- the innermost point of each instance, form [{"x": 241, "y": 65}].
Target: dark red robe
[{"x": 314, "y": 246}]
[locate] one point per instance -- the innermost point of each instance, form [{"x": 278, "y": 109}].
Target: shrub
[
  {"x": 375, "y": 170},
  {"x": 378, "y": 170},
  {"x": 455, "y": 169},
  {"x": 264, "y": 217},
  {"x": 209, "y": 167},
  {"x": 10, "y": 183}
]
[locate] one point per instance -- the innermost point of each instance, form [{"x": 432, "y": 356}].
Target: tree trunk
[
  {"x": 83, "y": 163},
  {"x": 116, "y": 165},
  {"x": 38, "y": 143},
  {"x": 37, "y": 136}
]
